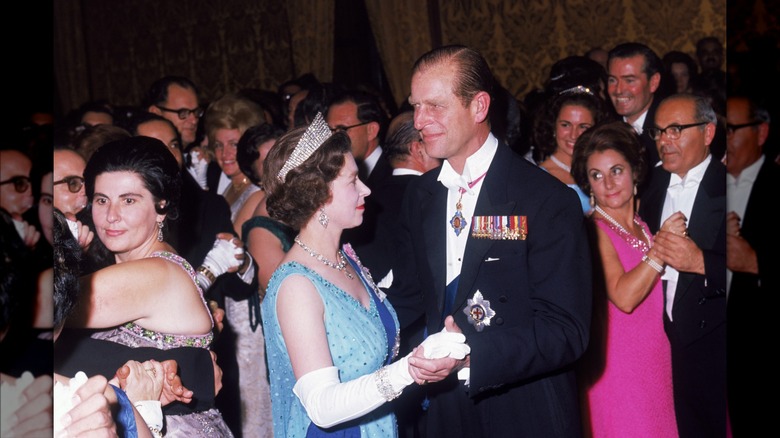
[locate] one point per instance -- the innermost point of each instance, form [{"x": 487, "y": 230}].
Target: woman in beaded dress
[
  {"x": 226, "y": 121},
  {"x": 556, "y": 129},
  {"x": 626, "y": 374},
  {"x": 331, "y": 337},
  {"x": 147, "y": 296}
]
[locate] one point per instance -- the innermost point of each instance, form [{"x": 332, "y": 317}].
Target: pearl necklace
[
  {"x": 341, "y": 266},
  {"x": 615, "y": 223},
  {"x": 560, "y": 164}
]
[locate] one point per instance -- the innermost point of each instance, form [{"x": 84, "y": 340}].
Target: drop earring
[
  {"x": 592, "y": 200},
  {"x": 159, "y": 231},
  {"x": 634, "y": 189},
  {"x": 323, "y": 218}
]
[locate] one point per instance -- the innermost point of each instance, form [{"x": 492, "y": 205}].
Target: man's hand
[
  {"x": 91, "y": 413},
  {"x": 679, "y": 252},
  {"x": 425, "y": 371}
]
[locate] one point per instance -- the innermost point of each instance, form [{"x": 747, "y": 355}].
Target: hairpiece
[
  {"x": 316, "y": 134},
  {"x": 577, "y": 89}
]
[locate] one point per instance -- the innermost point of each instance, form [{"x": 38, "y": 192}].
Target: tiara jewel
[
  {"x": 316, "y": 134},
  {"x": 577, "y": 89}
]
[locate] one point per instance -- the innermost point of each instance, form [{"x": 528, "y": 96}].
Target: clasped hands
[
  {"x": 440, "y": 354},
  {"x": 152, "y": 380},
  {"x": 675, "y": 248}
]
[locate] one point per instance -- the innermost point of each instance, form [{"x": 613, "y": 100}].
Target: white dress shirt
[
  {"x": 737, "y": 194},
  {"x": 476, "y": 165},
  {"x": 679, "y": 197}
]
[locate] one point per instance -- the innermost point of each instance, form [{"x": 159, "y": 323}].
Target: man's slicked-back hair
[
  {"x": 652, "y": 64},
  {"x": 473, "y": 73},
  {"x": 158, "y": 91}
]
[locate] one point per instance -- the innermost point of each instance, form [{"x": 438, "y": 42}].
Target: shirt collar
[
  {"x": 748, "y": 174},
  {"x": 639, "y": 123},
  {"x": 693, "y": 177},
  {"x": 476, "y": 165},
  {"x": 372, "y": 158}
]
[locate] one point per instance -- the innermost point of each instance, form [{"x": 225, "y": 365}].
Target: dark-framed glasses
[
  {"x": 21, "y": 183},
  {"x": 672, "y": 131},
  {"x": 731, "y": 129},
  {"x": 347, "y": 128},
  {"x": 183, "y": 113},
  {"x": 74, "y": 183}
]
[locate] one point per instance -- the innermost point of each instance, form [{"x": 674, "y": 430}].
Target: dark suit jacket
[
  {"x": 364, "y": 235},
  {"x": 521, "y": 381},
  {"x": 752, "y": 309},
  {"x": 698, "y": 331},
  {"x": 648, "y": 144}
]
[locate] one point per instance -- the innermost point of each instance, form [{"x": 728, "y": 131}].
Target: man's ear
[
  {"x": 655, "y": 81},
  {"x": 480, "y": 105},
  {"x": 154, "y": 110},
  {"x": 373, "y": 130}
]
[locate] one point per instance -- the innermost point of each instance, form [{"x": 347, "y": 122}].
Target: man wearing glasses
[
  {"x": 752, "y": 258},
  {"x": 176, "y": 99},
  {"x": 690, "y": 181},
  {"x": 362, "y": 118},
  {"x": 70, "y": 196},
  {"x": 16, "y": 192}
]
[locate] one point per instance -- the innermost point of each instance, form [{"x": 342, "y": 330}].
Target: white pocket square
[{"x": 491, "y": 259}]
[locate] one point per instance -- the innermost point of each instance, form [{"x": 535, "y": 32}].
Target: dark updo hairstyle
[
  {"x": 151, "y": 160},
  {"x": 618, "y": 136},
  {"x": 67, "y": 258},
  {"x": 544, "y": 122},
  {"x": 306, "y": 187},
  {"x": 248, "y": 148}
]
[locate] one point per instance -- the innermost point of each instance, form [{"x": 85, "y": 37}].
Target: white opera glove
[
  {"x": 329, "y": 402},
  {"x": 198, "y": 169},
  {"x": 220, "y": 259},
  {"x": 151, "y": 412},
  {"x": 445, "y": 344}
]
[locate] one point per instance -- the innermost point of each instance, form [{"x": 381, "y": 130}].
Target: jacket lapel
[
  {"x": 434, "y": 212},
  {"x": 492, "y": 201}
]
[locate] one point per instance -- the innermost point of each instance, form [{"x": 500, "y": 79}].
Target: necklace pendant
[{"x": 458, "y": 222}]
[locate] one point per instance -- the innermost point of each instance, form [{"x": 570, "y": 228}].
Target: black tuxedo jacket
[
  {"x": 752, "y": 306},
  {"x": 521, "y": 382},
  {"x": 364, "y": 235},
  {"x": 697, "y": 332}
]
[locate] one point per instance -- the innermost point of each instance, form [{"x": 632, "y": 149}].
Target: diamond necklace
[
  {"x": 612, "y": 220},
  {"x": 560, "y": 163},
  {"x": 341, "y": 266}
]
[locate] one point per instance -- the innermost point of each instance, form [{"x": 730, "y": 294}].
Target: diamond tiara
[{"x": 316, "y": 134}]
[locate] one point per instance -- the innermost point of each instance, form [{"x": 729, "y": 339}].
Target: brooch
[{"x": 478, "y": 311}]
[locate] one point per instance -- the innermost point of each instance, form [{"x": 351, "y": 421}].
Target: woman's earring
[
  {"x": 592, "y": 200},
  {"x": 159, "y": 231},
  {"x": 634, "y": 189},
  {"x": 323, "y": 218}
]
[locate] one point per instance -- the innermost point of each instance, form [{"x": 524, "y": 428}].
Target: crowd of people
[{"x": 305, "y": 262}]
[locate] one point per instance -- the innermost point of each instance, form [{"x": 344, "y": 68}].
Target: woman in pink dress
[{"x": 626, "y": 376}]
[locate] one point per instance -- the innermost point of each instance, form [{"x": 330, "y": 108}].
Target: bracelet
[
  {"x": 653, "y": 264},
  {"x": 384, "y": 386},
  {"x": 156, "y": 433},
  {"x": 207, "y": 273}
]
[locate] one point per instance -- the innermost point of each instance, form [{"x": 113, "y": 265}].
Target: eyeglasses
[
  {"x": 731, "y": 129},
  {"x": 183, "y": 113},
  {"x": 672, "y": 131},
  {"x": 21, "y": 183},
  {"x": 74, "y": 183},
  {"x": 347, "y": 128}
]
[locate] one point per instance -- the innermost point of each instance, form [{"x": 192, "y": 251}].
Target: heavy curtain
[{"x": 114, "y": 50}]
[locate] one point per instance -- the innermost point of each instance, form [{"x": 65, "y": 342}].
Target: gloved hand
[
  {"x": 444, "y": 344},
  {"x": 198, "y": 169},
  {"x": 227, "y": 255}
]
